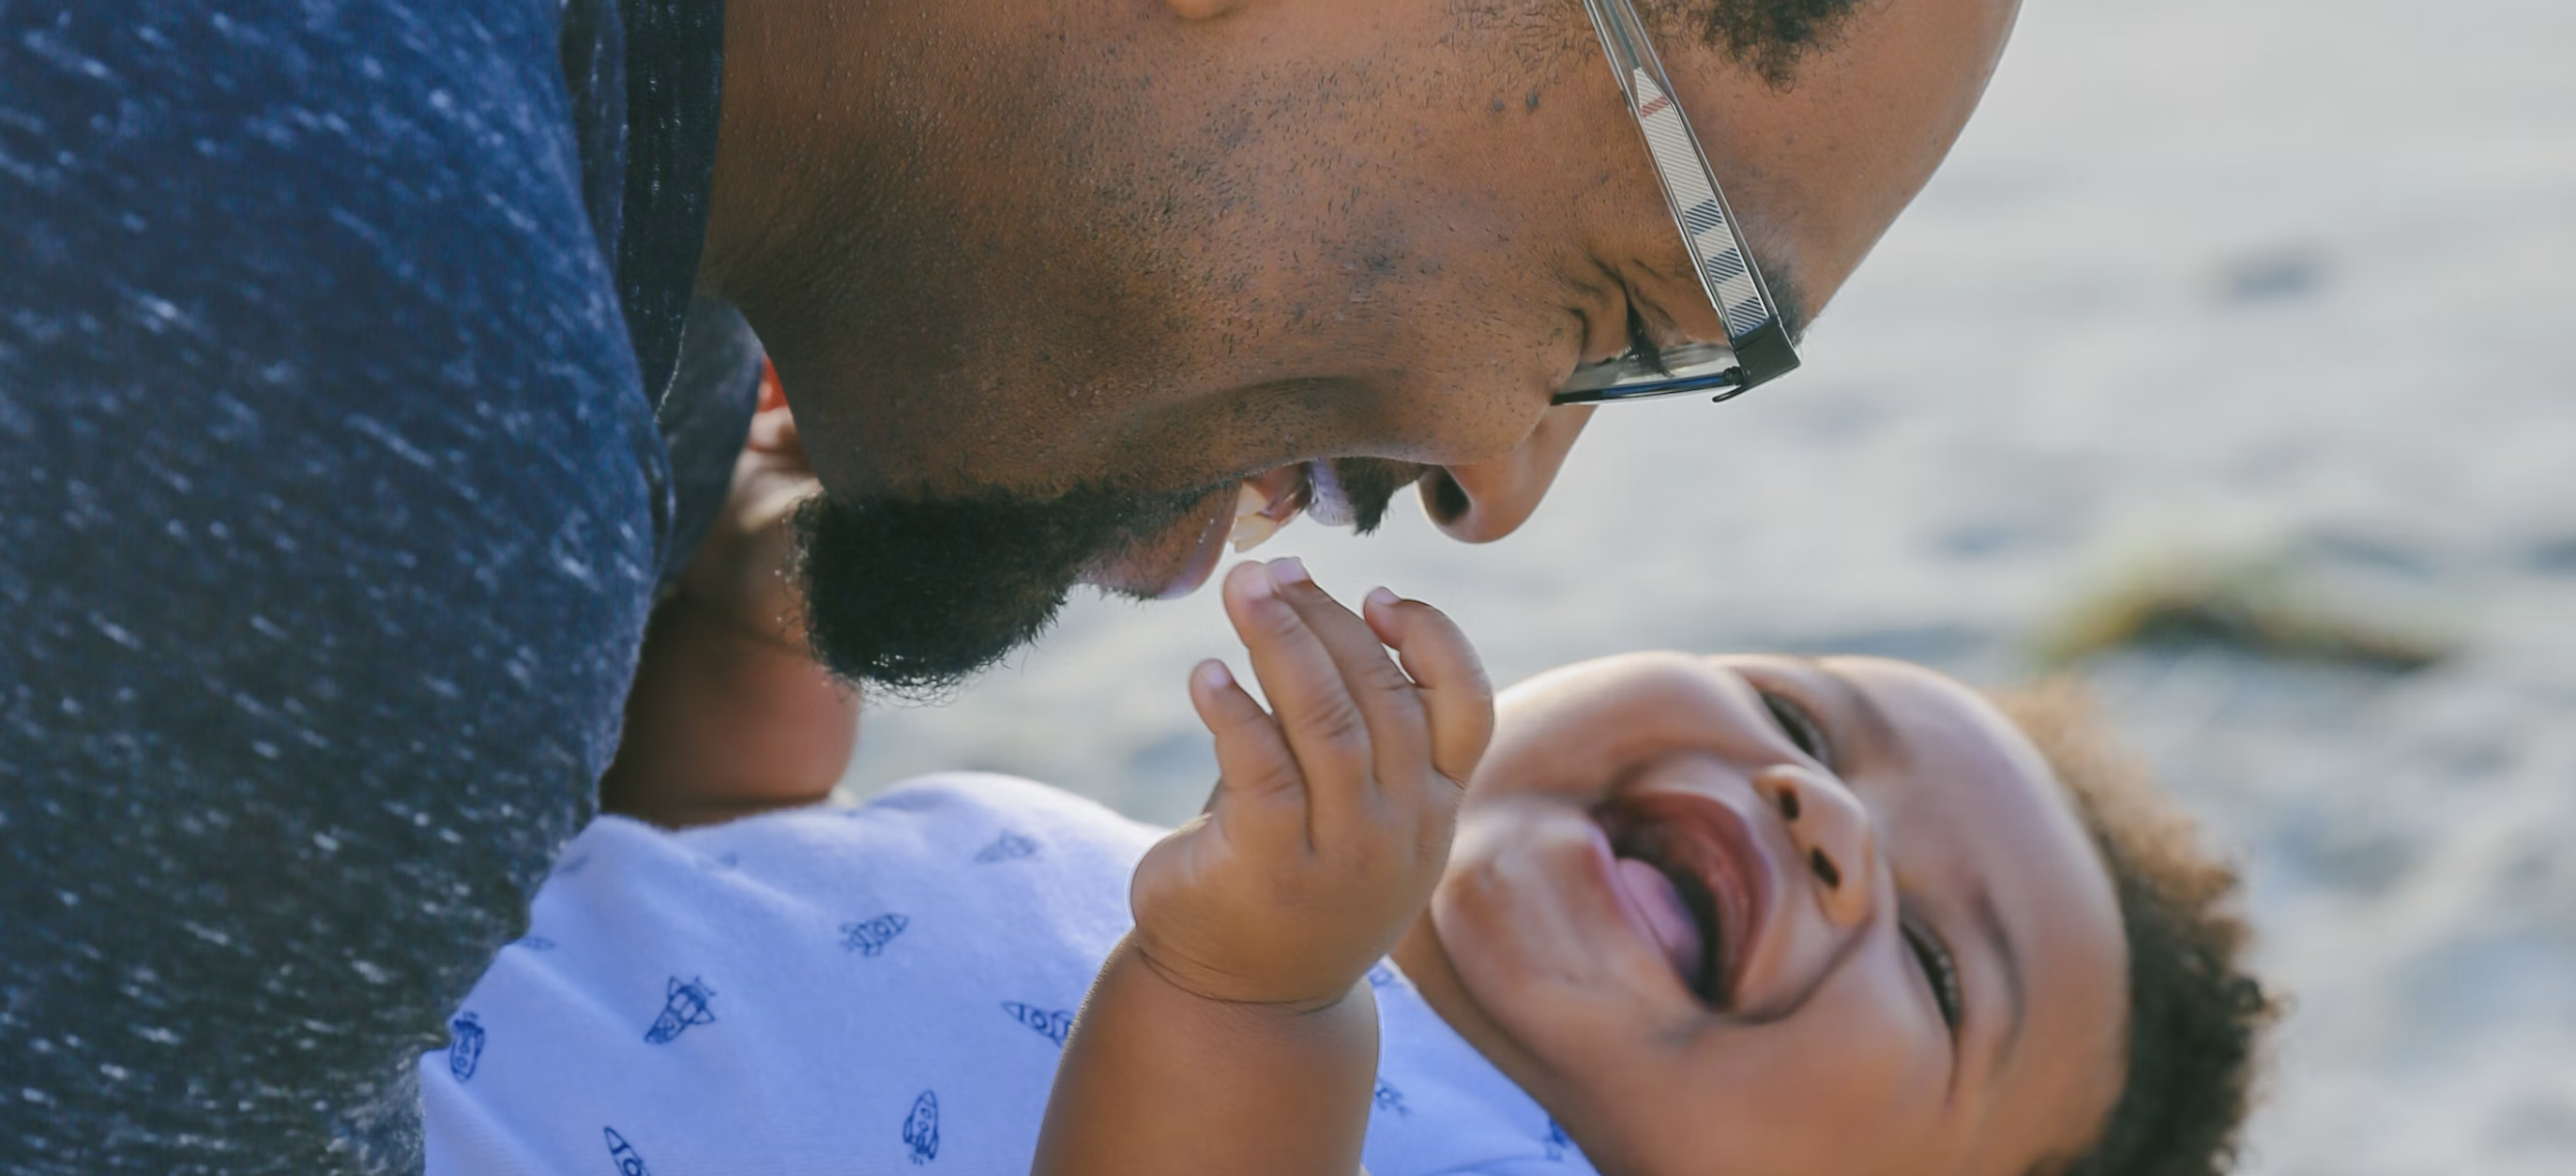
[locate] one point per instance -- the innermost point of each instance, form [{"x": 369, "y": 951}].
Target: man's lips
[
  {"x": 1203, "y": 555},
  {"x": 1272, "y": 500},
  {"x": 1185, "y": 554},
  {"x": 1715, "y": 876}
]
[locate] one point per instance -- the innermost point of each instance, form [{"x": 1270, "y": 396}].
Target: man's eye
[
  {"x": 1798, "y": 725},
  {"x": 1941, "y": 971},
  {"x": 1642, "y": 348}
]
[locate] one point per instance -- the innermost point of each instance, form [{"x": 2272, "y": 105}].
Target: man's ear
[{"x": 1202, "y": 9}]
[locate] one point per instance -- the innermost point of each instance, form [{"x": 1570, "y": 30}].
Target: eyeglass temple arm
[{"x": 1752, "y": 318}]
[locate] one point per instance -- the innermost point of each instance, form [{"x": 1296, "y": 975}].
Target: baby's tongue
[{"x": 1652, "y": 895}]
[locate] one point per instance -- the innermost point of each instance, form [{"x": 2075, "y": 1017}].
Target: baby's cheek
[
  {"x": 1782, "y": 1098},
  {"x": 1872, "y": 1074},
  {"x": 1494, "y": 928},
  {"x": 1526, "y": 943}
]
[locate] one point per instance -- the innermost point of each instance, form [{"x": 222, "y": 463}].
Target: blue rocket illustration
[
  {"x": 628, "y": 1163},
  {"x": 1004, "y": 848},
  {"x": 1557, "y": 1142},
  {"x": 868, "y": 937},
  {"x": 1389, "y": 1099},
  {"x": 1053, "y": 1024},
  {"x": 683, "y": 1005},
  {"x": 921, "y": 1127},
  {"x": 467, "y": 1050}
]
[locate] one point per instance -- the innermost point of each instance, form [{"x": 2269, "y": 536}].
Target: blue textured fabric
[{"x": 332, "y": 504}]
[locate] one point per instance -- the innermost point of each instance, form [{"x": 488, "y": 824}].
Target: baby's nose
[{"x": 1835, "y": 841}]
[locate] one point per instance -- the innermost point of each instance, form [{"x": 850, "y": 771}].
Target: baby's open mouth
[
  {"x": 1690, "y": 867},
  {"x": 1680, "y": 917}
]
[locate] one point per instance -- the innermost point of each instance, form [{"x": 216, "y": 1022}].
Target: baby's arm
[
  {"x": 729, "y": 714},
  {"x": 1232, "y": 1030}
]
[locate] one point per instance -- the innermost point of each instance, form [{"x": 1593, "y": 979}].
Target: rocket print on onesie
[{"x": 683, "y": 1005}]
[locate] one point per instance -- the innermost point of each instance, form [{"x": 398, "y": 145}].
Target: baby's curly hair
[{"x": 2197, "y": 1017}]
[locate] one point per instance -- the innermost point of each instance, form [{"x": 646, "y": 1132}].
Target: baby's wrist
[
  {"x": 1252, "y": 996},
  {"x": 1160, "y": 1076}
]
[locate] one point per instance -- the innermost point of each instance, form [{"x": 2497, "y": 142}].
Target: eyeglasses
[{"x": 1757, "y": 348}]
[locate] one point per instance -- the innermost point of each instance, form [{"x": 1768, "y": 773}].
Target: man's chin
[
  {"x": 913, "y": 597},
  {"x": 1174, "y": 563}
]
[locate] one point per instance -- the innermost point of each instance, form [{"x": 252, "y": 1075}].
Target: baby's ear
[{"x": 773, "y": 425}]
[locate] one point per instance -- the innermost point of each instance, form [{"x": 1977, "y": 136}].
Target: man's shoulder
[
  {"x": 347, "y": 138},
  {"x": 370, "y": 206}
]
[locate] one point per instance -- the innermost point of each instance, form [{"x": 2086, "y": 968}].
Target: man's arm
[
  {"x": 327, "y": 534},
  {"x": 1232, "y": 1030}
]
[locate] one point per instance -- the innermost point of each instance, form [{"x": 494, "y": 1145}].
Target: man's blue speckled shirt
[{"x": 346, "y": 430}]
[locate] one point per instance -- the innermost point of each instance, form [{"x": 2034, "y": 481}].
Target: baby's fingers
[
  {"x": 1259, "y": 794},
  {"x": 1450, "y": 678},
  {"x": 1321, "y": 716},
  {"x": 1398, "y": 737}
]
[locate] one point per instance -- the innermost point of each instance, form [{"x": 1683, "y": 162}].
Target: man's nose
[
  {"x": 1486, "y": 500},
  {"x": 1835, "y": 841}
]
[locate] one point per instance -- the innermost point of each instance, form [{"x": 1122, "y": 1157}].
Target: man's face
[
  {"x": 1759, "y": 915},
  {"x": 1130, "y": 256}
]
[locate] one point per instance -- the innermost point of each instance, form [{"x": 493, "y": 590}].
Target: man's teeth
[
  {"x": 1253, "y": 525},
  {"x": 1325, "y": 499}
]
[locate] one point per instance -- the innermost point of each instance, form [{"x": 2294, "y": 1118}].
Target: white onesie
[{"x": 875, "y": 990}]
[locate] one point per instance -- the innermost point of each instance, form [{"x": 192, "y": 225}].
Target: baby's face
[{"x": 1769, "y": 917}]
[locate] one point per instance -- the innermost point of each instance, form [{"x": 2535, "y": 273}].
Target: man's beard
[{"x": 915, "y": 595}]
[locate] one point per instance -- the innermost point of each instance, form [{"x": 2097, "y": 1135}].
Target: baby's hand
[{"x": 1331, "y": 819}]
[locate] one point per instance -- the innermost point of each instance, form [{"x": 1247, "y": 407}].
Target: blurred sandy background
[{"x": 2270, "y": 284}]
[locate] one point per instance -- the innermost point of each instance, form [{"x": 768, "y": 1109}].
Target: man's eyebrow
[{"x": 1991, "y": 922}]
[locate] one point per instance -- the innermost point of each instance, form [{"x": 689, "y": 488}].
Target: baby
[{"x": 1652, "y": 914}]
